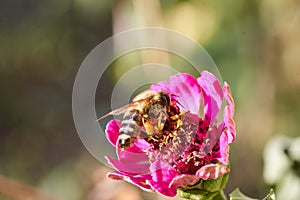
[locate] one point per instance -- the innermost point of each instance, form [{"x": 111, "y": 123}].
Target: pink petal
[
  {"x": 112, "y": 131},
  {"x": 228, "y": 114},
  {"x": 131, "y": 160},
  {"x": 163, "y": 85},
  {"x": 229, "y": 124},
  {"x": 224, "y": 149},
  {"x": 139, "y": 146},
  {"x": 212, "y": 171},
  {"x": 130, "y": 151},
  {"x": 186, "y": 91},
  {"x": 132, "y": 155},
  {"x": 228, "y": 97},
  {"x": 142, "y": 144},
  {"x": 162, "y": 174},
  {"x": 184, "y": 180},
  {"x": 127, "y": 167},
  {"x": 135, "y": 154},
  {"x": 212, "y": 93},
  {"x": 138, "y": 180},
  {"x": 163, "y": 188}
]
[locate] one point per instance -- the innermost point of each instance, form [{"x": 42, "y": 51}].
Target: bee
[{"x": 149, "y": 109}]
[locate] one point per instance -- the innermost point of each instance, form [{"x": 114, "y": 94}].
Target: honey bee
[{"x": 149, "y": 109}]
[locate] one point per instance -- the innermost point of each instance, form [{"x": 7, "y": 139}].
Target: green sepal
[
  {"x": 215, "y": 185},
  {"x": 211, "y": 189},
  {"x": 195, "y": 194}
]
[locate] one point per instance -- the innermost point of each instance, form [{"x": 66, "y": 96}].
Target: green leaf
[{"x": 237, "y": 195}]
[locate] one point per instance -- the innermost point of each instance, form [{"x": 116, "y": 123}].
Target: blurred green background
[{"x": 255, "y": 45}]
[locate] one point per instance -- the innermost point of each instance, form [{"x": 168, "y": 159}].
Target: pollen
[{"x": 169, "y": 131}]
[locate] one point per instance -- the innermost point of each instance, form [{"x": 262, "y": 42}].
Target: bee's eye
[{"x": 166, "y": 99}]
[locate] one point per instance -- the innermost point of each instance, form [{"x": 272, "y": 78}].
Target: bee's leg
[{"x": 149, "y": 128}]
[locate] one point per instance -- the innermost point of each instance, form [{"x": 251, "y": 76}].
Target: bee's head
[
  {"x": 125, "y": 141},
  {"x": 165, "y": 97}
]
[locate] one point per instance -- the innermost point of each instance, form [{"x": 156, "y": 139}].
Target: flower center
[{"x": 187, "y": 142}]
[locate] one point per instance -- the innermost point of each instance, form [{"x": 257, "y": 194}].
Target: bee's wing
[{"x": 123, "y": 109}]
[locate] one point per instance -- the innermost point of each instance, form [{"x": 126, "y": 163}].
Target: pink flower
[{"x": 197, "y": 150}]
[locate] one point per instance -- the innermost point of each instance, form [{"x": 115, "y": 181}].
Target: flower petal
[
  {"x": 212, "y": 171},
  {"x": 112, "y": 131},
  {"x": 163, "y": 188},
  {"x": 228, "y": 114},
  {"x": 212, "y": 93},
  {"x": 138, "y": 180},
  {"x": 133, "y": 157},
  {"x": 162, "y": 174},
  {"x": 186, "y": 91},
  {"x": 134, "y": 153},
  {"x": 228, "y": 97},
  {"x": 131, "y": 160},
  {"x": 140, "y": 146},
  {"x": 224, "y": 149},
  {"x": 184, "y": 180},
  {"x": 128, "y": 167}
]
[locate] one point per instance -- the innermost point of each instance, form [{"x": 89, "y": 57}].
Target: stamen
[{"x": 185, "y": 142}]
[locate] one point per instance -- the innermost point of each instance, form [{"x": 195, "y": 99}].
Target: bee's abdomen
[{"x": 131, "y": 124}]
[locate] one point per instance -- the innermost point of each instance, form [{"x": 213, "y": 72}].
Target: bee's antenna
[
  {"x": 179, "y": 103},
  {"x": 173, "y": 96}
]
